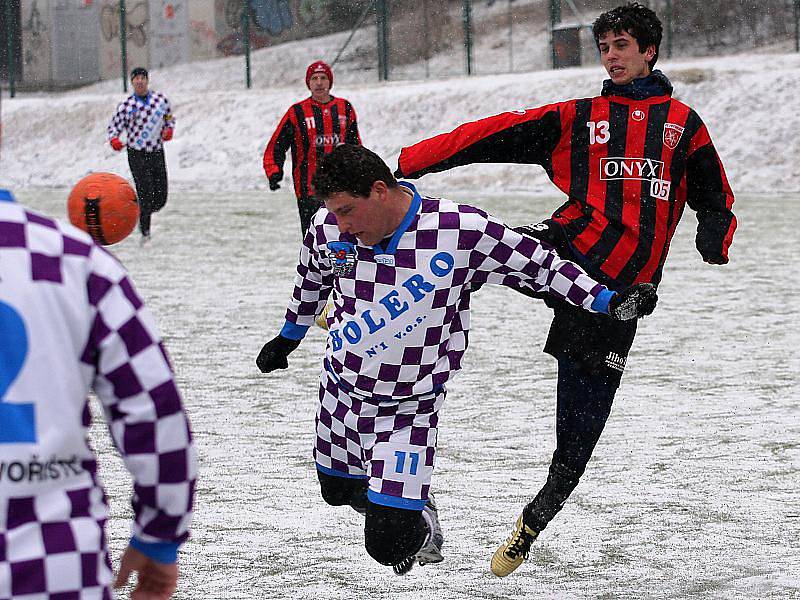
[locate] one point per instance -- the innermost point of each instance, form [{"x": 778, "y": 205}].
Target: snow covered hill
[{"x": 749, "y": 103}]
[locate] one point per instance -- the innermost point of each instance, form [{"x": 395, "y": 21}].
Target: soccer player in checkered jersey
[
  {"x": 146, "y": 119},
  {"x": 400, "y": 267},
  {"x": 629, "y": 160},
  {"x": 70, "y": 322},
  {"x": 311, "y": 128}
]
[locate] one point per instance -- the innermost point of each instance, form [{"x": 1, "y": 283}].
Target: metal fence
[
  {"x": 378, "y": 39},
  {"x": 418, "y": 39}
]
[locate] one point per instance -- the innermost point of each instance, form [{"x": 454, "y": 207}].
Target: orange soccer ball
[{"x": 104, "y": 206}]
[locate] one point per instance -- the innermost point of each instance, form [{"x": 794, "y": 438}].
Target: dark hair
[
  {"x": 639, "y": 21},
  {"x": 352, "y": 169},
  {"x": 139, "y": 71}
]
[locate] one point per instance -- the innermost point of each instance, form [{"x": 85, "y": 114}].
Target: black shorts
[{"x": 596, "y": 342}]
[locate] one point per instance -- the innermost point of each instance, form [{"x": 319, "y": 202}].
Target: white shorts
[{"x": 391, "y": 444}]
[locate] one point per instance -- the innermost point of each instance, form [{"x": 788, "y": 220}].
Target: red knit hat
[{"x": 318, "y": 67}]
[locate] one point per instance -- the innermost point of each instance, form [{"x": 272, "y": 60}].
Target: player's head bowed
[{"x": 351, "y": 169}]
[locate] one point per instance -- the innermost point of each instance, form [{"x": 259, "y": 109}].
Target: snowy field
[
  {"x": 694, "y": 489},
  {"x": 749, "y": 102},
  {"x": 692, "y": 492}
]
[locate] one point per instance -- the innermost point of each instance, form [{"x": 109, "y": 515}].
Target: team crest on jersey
[
  {"x": 672, "y": 135},
  {"x": 343, "y": 257}
]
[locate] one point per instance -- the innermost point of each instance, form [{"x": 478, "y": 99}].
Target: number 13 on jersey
[{"x": 598, "y": 132}]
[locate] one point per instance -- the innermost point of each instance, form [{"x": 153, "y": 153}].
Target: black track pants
[
  {"x": 583, "y": 406},
  {"x": 150, "y": 174},
  {"x": 307, "y": 207}
]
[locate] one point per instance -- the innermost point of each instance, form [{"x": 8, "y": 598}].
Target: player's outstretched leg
[
  {"x": 392, "y": 534},
  {"x": 561, "y": 481},
  {"x": 515, "y": 550},
  {"x": 400, "y": 538}
]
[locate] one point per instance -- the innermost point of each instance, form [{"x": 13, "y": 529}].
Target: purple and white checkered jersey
[
  {"x": 142, "y": 119},
  {"x": 400, "y": 322},
  {"x": 71, "y": 322}
]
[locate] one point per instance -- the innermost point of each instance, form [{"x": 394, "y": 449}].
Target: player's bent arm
[
  {"x": 143, "y": 408},
  {"x": 169, "y": 118},
  {"x": 312, "y": 286},
  {"x": 709, "y": 194},
  {"x": 117, "y": 124},
  {"x": 511, "y": 259},
  {"x": 352, "y": 136},
  {"x": 277, "y": 147},
  {"x": 313, "y": 281}
]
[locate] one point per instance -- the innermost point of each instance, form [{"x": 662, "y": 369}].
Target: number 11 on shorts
[{"x": 401, "y": 462}]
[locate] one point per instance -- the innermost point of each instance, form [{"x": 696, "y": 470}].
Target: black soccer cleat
[{"x": 404, "y": 566}]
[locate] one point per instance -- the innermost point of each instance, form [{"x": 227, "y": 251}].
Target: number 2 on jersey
[{"x": 17, "y": 421}]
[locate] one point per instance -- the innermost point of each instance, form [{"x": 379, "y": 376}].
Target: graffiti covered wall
[
  {"x": 137, "y": 19},
  {"x": 159, "y": 33},
  {"x": 169, "y": 28},
  {"x": 277, "y": 21},
  {"x": 202, "y": 30},
  {"x": 37, "y": 42},
  {"x": 75, "y": 42}
]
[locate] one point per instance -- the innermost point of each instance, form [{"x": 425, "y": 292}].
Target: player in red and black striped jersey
[
  {"x": 629, "y": 161},
  {"x": 311, "y": 128}
]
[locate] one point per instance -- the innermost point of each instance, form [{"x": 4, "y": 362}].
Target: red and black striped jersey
[
  {"x": 628, "y": 166},
  {"x": 311, "y": 129}
]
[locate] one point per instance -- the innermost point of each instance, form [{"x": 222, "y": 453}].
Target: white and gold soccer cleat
[{"x": 514, "y": 551}]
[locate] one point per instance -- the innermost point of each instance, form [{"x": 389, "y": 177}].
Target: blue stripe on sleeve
[
  {"x": 292, "y": 331},
  {"x": 162, "y": 552},
  {"x": 600, "y": 303}
]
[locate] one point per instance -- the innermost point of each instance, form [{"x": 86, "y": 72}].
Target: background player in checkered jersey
[
  {"x": 629, "y": 160},
  {"x": 70, "y": 322},
  {"x": 401, "y": 267},
  {"x": 146, "y": 119},
  {"x": 311, "y": 128}
]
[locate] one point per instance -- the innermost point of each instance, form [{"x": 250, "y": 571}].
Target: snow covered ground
[{"x": 693, "y": 490}]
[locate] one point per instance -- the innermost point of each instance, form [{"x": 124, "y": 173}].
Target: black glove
[
  {"x": 398, "y": 173},
  {"x": 634, "y": 303},
  {"x": 273, "y": 354},
  {"x": 273, "y": 181}
]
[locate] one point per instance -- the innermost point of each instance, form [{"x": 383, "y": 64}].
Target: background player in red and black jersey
[
  {"x": 629, "y": 161},
  {"x": 311, "y": 128}
]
